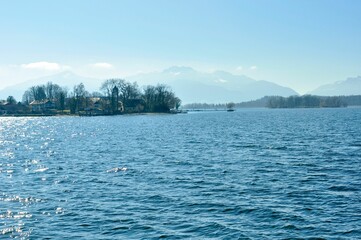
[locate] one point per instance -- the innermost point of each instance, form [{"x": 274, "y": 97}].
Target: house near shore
[
  {"x": 102, "y": 105},
  {"x": 12, "y": 108},
  {"x": 134, "y": 105},
  {"x": 98, "y": 103},
  {"x": 42, "y": 106},
  {"x": 3, "y": 108}
]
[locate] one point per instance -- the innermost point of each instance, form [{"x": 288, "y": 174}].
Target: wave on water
[{"x": 252, "y": 174}]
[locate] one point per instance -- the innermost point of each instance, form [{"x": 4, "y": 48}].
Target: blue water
[{"x": 249, "y": 174}]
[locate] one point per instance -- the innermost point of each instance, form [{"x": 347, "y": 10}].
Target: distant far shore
[{"x": 305, "y": 101}]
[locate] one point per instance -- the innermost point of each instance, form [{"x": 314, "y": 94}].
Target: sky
[{"x": 300, "y": 44}]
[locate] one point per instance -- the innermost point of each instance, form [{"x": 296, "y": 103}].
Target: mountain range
[
  {"x": 350, "y": 86},
  {"x": 219, "y": 86},
  {"x": 194, "y": 86}
]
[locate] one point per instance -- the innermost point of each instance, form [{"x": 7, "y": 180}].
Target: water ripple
[{"x": 251, "y": 174}]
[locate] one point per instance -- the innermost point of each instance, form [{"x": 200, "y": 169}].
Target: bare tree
[
  {"x": 109, "y": 84},
  {"x": 38, "y": 92},
  {"x": 11, "y": 100},
  {"x": 77, "y": 100},
  {"x": 27, "y": 97},
  {"x": 129, "y": 91},
  {"x": 49, "y": 90}
]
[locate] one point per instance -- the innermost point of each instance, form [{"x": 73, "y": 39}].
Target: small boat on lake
[{"x": 177, "y": 111}]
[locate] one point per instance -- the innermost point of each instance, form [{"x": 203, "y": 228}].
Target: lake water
[{"x": 249, "y": 174}]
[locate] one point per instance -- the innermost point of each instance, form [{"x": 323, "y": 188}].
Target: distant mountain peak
[
  {"x": 223, "y": 74},
  {"x": 220, "y": 72},
  {"x": 350, "y": 86},
  {"x": 67, "y": 73},
  {"x": 192, "y": 85},
  {"x": 352, "y": 79},
  {"x": 179, "y": 70}
]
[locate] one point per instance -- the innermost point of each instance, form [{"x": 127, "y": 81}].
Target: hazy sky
[{"x": 300, "y": 43}]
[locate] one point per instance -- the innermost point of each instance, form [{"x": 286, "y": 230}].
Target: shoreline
[{"x": 84, "y": 115}]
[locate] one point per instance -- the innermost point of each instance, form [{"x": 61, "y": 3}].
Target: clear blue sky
[{"x": 300, "y": 43}]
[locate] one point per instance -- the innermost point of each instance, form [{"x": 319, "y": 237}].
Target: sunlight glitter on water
[{"x": 250, "y": 174}]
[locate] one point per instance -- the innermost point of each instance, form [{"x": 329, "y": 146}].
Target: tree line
[
  {"x": 259, "y": 103},
  {"x": 305, "y": 101}
]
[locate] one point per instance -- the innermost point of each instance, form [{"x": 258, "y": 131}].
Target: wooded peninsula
[{"x": 116, "y": 96}]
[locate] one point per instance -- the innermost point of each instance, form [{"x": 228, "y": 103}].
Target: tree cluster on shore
[{"x": 116, "y": 96}]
